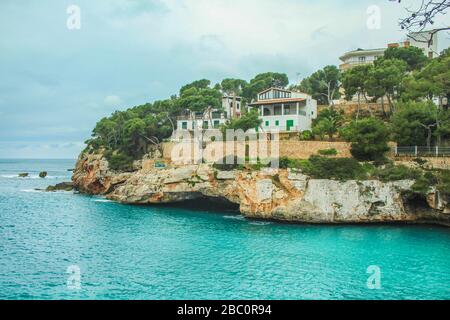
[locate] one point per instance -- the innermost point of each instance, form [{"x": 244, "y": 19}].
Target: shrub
[
  {"x": 424, "y": 182},
  {"x": 286, "y": 162},
  {"x": 393, "y": 173},
  {"x": 419, "y": 161},
  {"x": 120, "y": 162},
  {"x": 328, "y": 152},
  {"x": 333, "y": 168},
  {"x": 306, "y": 135},
  {"x": 443, "y": 184},
  {"x": 369, "y": 138}
]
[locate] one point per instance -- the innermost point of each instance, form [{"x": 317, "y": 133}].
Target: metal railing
[{"x": 422, "y": 151}]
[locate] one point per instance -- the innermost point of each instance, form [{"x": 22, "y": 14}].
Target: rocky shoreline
[{"x": 281, "y": 195}]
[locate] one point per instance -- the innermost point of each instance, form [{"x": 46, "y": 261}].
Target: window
[
  {"x": 277, "y": 122},
  {"x": 277, "y": 110},
  {"x": 267, "y": 123},
  {"x": 361, "y": 59},
  {"x": 288, "y": 109},
  {"x": 216, "y": 123},
  {"x": 205, "y": 124},
  {"x": 184, "y": 125}
]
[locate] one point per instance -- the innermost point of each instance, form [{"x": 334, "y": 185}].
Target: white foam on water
[
  {"x": 102, "y": 200},
  {"x": 235, "y": 217},
  {"x": 31, "y": 190},
  {"x": 31, "y": 176},
  {"x": 260, "y": 223}
]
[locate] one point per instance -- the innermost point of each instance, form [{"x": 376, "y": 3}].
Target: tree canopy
[{"x": 323, "y": 85}]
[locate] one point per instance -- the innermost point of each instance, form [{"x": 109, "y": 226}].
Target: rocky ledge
[{"x": 286, "y": 195}]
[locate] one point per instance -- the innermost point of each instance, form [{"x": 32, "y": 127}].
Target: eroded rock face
[
  {"x": 91, "y": 175},
  {"x": 285, "y": 195}
]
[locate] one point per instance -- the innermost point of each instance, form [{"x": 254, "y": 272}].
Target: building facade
[
  {"x": 360, "y": 57},
  {"x": 427, "y": 41},
  {"x": 232, "y": 105},
  {"x": 211, "y": 119},
  {"x": 285, "y": 110}
]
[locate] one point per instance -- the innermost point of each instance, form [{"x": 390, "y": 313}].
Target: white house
[
  {"x": 285, "y": 110},
  {"x": 201, "y": 120},
  {"x": 212, "y": 119}
]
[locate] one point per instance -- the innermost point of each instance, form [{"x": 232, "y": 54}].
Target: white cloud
[{"x": 113, "y": 101}]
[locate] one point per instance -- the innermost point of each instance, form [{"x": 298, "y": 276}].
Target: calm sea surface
[{"x": 145, "y": 252}]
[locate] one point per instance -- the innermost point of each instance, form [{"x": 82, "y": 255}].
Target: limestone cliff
[{"x": 286, "y": 195}]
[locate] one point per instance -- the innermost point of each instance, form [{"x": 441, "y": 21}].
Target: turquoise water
[{"x": 143, "y": 252}]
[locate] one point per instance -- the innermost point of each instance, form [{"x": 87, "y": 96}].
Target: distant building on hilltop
[
  {"x": 359, "y": 57},
  {"x": 427, "y": 41}
]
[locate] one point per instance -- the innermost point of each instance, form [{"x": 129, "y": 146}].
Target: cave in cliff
[{"x": 205, "y": 203}]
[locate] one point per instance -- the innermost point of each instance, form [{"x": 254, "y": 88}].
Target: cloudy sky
[{"x": 55, "y": 83}]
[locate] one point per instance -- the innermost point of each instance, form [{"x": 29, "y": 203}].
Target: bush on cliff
[
  {"x": 119, "y": 162},
  {"x": 333, "y": 168},
  {"x": 394, "y": 173},
  {"x": 443, "y": 184},
  {"x": 285, "y": 162}
]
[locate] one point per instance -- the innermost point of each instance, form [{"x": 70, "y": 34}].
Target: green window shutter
[
  {"x": 267, "y": 123},
  {"x": 184, "y": 125},
  {"x": 205, "y": 124},
  {"x": 277, "y": 122}
]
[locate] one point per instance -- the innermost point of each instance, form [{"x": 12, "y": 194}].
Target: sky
[{"x": 57, "y": 82}]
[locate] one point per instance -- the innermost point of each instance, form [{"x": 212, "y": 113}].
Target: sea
[{"x": 62, "y": 245}]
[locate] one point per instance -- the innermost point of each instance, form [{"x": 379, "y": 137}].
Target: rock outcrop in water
[{"x": 286, "y": 195}]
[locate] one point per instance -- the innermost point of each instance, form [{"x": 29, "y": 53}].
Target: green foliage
[
  {"x": 120, "y": 162},
  {"x": 327, "y": 123},
  {"x": 385, "y": 78},
  {"x": 249, "y": 120},
  {"x": 198, "y": 84},
  {"x": 432, "y": 80},
  {"x": 285, "y": 162},
  {"x": 197, "y": 99},
  {"x": 354, "y": 81},
  {"x": 412, "y": 56},
  {"x": 306, "y": 135},
  {"x": 394, "y": 173},
  {"x": 443, "y": 184},
  {"x": 323, "y": 85},
  {"x": 333, "y": 168},
  {"x": 233, "y": 86},
  {"x": 369, "y": 138},
  {"x": 328, "y": 152},
  {"x": 264, "y": 81},
  {"x": 410, "y": 122}
]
